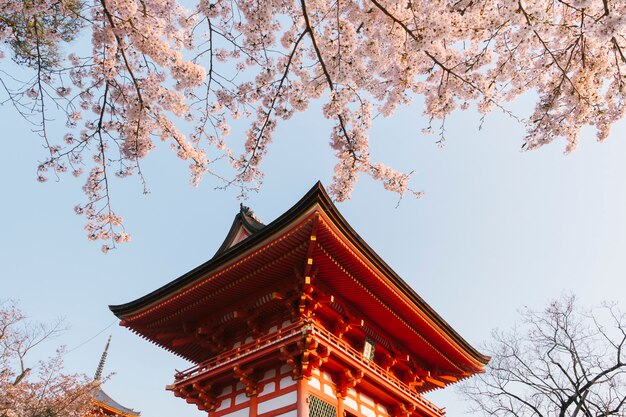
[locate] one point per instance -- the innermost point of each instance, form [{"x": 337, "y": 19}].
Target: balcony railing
[
  {"x": 291, "y": 332},
  {"x": 373, "y": 367},
  {"x": 240, "y": 352}
]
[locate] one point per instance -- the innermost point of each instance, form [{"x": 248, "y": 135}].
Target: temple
[
  {"x": 301, "y": 318},
  {"x": 103, "y": 404}
]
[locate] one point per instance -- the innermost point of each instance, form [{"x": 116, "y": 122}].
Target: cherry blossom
[
  {"x": 158, "y": 70},
  {"x": 29, "y": 388}
]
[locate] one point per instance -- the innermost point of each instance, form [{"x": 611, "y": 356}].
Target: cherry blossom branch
[
  {"x": 369, "y": 57},
  {"x": 122, "y": 52},
  {"x": 259, "y": 137},
  {"x": 331, "y": 85}
]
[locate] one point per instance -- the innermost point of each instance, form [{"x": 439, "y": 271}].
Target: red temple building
[{"x": 301, "y": 318}]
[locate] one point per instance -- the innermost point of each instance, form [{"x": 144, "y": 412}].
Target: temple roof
[
  {"x": 346, "y": 264},
  {"x": 110, "y": 405}
]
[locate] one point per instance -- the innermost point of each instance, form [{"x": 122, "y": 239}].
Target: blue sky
[{"x": 497, "y": 230}]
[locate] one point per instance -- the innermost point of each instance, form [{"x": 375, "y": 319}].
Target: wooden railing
[
  {"x": 291, "y": 332},
  {"x": 373, "y": 367},
  {"x": 240, "y": 352}
]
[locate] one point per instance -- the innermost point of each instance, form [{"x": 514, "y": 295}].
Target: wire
[{"x": 91, "y": 338}]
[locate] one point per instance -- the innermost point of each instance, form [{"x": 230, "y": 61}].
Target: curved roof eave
[
  {"x": 317, "y": 194},
  {"x": 103, "y": 399},
  {"x": 123, "y": 310}
]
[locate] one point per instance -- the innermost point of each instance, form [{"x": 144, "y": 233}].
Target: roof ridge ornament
[{"x": 247, "y": 211}]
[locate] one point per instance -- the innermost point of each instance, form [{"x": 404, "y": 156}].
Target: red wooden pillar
[
  {"x": 340, "y": 412},
  {"x": 302, "y": 401},
  {"x": 254, "y": 405}
]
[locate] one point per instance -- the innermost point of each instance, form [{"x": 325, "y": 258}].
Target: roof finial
[
  {"x": 246, "y": 211},
  {"x": 98, "y": 374}
]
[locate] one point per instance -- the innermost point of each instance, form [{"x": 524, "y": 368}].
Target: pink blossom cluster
[
  {"x": 185, "y": 76},
  {"x": 30, "y": 388}
]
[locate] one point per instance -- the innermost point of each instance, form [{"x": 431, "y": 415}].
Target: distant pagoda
[
  {"x": 103, "y": 403},
  {"x": 301, "y": 318}
]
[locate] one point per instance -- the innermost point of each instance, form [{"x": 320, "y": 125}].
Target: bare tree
[{"x": 562, "y": 361}]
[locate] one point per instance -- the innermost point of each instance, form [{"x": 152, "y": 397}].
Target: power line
[{"x": 91, "y": 338}]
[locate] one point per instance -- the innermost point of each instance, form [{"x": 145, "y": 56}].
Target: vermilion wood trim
[
  {"x": 340, "y": 412},
  {"x": 254, "y": 406},
  {"x": 320, "y": 393},
  {"x": 302, "y": 401},
  {"x": 254, "y": 399}
]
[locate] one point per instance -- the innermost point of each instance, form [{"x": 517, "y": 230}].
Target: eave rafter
[
  {"x": 151, "y": 319},
  {"x": 384, "y": 306},
  {"x": 343, "y": 322}
]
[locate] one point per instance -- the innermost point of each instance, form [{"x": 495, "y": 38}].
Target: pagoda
[
  {"x": 301, "y": 318},
  {"x": 103, "y": 404}
]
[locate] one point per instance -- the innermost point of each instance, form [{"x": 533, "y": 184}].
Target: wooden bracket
[
  {"x": 202, "y": 395},
  {"x": 346, "y": 380},
  {"x": 247, "y": 378},
  {"x": 413, "y": 379},
  {"x": 387, "y": 361},
  {"x": 340, "y": 327},
  {"x": 253, "y": 324},
  {"x": 315, "y": 360},
  {"x": 208, "y": 397},
  {"x": 292, "y": 358},
  {"x": 403, "y": 410},
  {"x": 400, "y": 354}
]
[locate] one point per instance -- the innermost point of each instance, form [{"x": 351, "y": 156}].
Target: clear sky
[{"x": 497, "y": 230}]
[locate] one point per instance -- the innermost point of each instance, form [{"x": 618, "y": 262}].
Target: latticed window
[{"x": 320, "y": 408}]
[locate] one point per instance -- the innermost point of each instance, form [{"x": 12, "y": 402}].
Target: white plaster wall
[
  {"x": 315, "y": 383},
  {"x": 293, "y": 413},
  {"x": 351, "y": 403},
  {"x": 284, "y": 400},
  {"x": 287, "y": 382},
  {"x": 328, "y": 390},
  {"x": 244, "y": 412},
  {"x": 367, "y": 412},
  {"x": 241, "y": 398},
  {"x": 267, "y": 389},
  {"x": 224, "y": 405},
  {"x": 269, "y": 374},
  {"x": 367, "y": 400}
]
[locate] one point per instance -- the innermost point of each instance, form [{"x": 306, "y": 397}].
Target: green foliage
[{"x": 38, "y": 31}]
